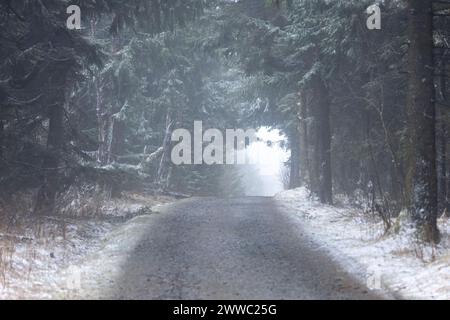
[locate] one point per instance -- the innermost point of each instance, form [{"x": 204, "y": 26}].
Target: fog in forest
[{"x": 265, "y": 177}]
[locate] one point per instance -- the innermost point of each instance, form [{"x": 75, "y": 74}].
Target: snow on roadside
[
  {"x": 47, "y": 267},
  {"x": 95, "y": 274},
  {"x": 394, "y": 263},
  {"x": 29, "y": 267}
]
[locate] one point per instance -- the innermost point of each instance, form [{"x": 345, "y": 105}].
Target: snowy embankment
[
  {"x": 42, "y": 259},
  {"x": 397, "y": 264}
]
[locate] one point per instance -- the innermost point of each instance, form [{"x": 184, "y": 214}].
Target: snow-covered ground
[
  {"x": 79, "y": 258},
  {"x": 97, "y": 275},
  {"x": 47, "y": 266},
  {"x": 397, "y": 263}
]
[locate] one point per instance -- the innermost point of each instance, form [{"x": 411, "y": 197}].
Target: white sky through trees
[{"x": 268, "y": 156}]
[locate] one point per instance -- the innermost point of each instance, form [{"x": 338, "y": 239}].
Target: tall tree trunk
[
  {"x": 45, "y": 201},
  {"x": 304, "y": 146},
  {"x": 447, "y": 164},
  {"x": 294, "y": 176},
  {"x": 47, "y": 193},
  {"x": 443, "y": 167},
  {"x": 117, "y": 145},
  {"x": 116, "y": 149},
  {"x": 2, "y": 136},
  {"x": 447, "y": 196},
  {"x": 421, "y": 178},
  {"x": 111, "y": 134},
  {"x": 2, "y": 122},
  {"x": 164, "y": 164},
  {"x": 103, "y": 122},
  {"x": 314, "y": 170},
  {"x": 323, "y": 146},
  {"x": 444, "y": 203}
]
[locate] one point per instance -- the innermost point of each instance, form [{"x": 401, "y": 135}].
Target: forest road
[{"x": 241, "y": 248}]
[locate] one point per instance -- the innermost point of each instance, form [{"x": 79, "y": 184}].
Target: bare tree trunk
[
  {"x": 102, "y": 114},
  {"x": 163, "y": 170},
  {"x": 2, "y": 122},
  {"x": 443, "y": 192},
  {"x": 323, "y": 146},
  {"x": 116, "y": 149},
  {"x": 47, "y": 193},
  {"x": 294, "y": 176},
  {"x": 444, "y": 203},
  {"x": 421, "y": 178},
  {"x": 304, "y": 146},
  {"x": 442, "y": 137},
  {"x": 103, "y": 122},
  {"x": 45, "y": 201},
  {"x": 2, "y": 136},
  {"x": 111, "y": 133},
  {"x": 315, "y": 159},
  {"x": 447, "y": 196},
  {"x": 447, "y": 163},
  {"x": 117, "y": 142},
  {"x": 111, "y": 130}
]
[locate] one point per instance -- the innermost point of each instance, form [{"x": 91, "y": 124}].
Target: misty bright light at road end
[{"x": 264, "y": 177}]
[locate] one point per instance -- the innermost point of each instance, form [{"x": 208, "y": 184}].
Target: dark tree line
[{"x": 97, "y": 105}]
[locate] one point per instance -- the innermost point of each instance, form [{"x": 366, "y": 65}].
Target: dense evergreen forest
[{"x": 92, "y": 110}]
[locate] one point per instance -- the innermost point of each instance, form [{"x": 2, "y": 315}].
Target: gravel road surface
[{"x": 242, "y": 248}]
